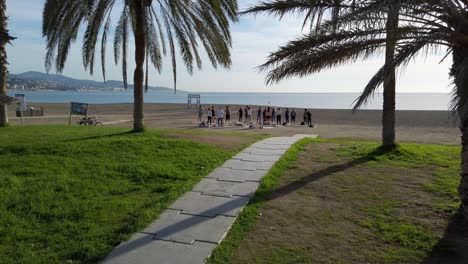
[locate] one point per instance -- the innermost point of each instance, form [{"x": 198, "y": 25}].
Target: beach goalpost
[{"x": 190, "y": 97}]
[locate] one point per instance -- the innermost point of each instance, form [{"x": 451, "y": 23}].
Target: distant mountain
[{"x": 41, "y": 81}]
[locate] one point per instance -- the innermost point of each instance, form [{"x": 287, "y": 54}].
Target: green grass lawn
[
  {"x": 337, "y": 201},
  {"x": 70, "y": 194}
]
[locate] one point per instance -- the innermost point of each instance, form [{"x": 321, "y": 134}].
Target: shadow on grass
[
  {"x": 296, "y": 185},
  {"x": 452, "y": 248},
  {"x": 131, "y": 132}
]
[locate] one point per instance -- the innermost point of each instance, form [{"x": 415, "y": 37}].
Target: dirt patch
[
  {"x": 333, "y": 209},
  {"x": 222, "y": 141}
]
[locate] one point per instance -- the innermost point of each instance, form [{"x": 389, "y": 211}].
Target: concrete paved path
[{"x": 197, "y": 222}]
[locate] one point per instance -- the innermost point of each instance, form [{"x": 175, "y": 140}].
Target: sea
[{"x": 405, "y": 101}]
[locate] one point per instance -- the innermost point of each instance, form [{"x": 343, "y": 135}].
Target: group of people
[
  {"x": 266, "y": 116},
  {"x": 218, "y": 117}
]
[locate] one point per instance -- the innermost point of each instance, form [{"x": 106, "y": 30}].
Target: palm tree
[
  {"x": 5, "y": 38},
  {"x": 158, "y": 26},
  {"x": 425, "y": 25},
  {"x": 315, "y": 10}
]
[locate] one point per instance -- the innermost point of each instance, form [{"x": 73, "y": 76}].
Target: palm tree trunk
[
  {"x": 138, "y": 77},
  {"x": 3, "y": 64},
  {"x": 459, "y": 72},
  {"x": 388, "y": 117},
  {"x": 463, "y": 188}
]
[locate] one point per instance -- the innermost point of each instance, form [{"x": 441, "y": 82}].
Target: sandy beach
[{"x": 436, "y": 127}]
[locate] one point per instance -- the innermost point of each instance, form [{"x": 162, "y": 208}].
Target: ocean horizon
[{"x": 404, "y": 101}]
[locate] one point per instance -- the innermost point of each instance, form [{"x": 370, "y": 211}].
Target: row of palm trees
[{"x": 341, "y": 31}]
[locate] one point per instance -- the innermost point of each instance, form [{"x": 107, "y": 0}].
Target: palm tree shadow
[
  {"x": 452, "y": 247},
  {"x": 296, "y": 185},
  {"x": 131, "y": 132}
]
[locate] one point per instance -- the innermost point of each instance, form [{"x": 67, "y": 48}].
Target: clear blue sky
[{"x": 253, "y": 39}]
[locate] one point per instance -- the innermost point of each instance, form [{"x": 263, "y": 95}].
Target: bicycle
[{"x": 89, "y": 121}]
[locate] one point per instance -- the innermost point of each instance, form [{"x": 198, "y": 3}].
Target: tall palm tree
[
  {"x": 316, "y": 10},
  {"x": 5, "y": 38},
  {"x": 158, "y": 26},
  {"x": 425, "y": 25}
]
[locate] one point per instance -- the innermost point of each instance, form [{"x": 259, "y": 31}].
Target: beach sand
[{"x": 412, "y": 126}]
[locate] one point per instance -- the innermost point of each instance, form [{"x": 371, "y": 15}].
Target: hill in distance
[{"x": 41, "y": 81}]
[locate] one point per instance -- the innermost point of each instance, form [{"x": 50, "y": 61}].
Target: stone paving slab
[
  {"x": 143, "y": 249},
  {"x": 258, "y": 151},
  {"x": 214, "y": 187},
  {"x": 252, "y": 157},
  {"x": 248, "y": 165},
  {"x": 228, "y": 174},
  {"x": 176, "y": 227},
  {"x": 204, "y": 205}
]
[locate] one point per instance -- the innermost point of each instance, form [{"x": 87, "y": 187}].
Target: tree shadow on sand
[{"x": 452, "y": 248}]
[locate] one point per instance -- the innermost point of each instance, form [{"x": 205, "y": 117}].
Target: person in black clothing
[
  {"x": 309, "y": 118},
  {"x": 286, "y": 115},
  {"x": 240, "y": 114}
]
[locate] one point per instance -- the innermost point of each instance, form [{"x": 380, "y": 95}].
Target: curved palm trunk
[
  {"x": 3, "y": 64},
  {"x": 459, "y": 72},
  {"x": 388, "y": 117},
  {"x": 138, "y": 77}
]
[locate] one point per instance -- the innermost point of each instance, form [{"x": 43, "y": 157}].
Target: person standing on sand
[
  {"x": 246, "y": 114},
  {"x": 249, "y": 114},
  {"x": 228, "y": 115},
  {"x": 305, "y": 116},
  {"x": 239, "y": 113},
  {"x": 220, "y": 117},
  {"x": 309, "y": 118},
  {"x": 264, "y": 115},
  {"x": 259, "y": 115},
  {"x": 213, "y": 114},
  {"x": 200, "y": 114},
  {"x": 293, "y": 117},
  {"x": 286, "y": 116},
  {"x": 279, "y": 113},
  {"x": 209, "y": 114},
  {"x": 273, "y": 114},
  {"x": 268, "y": 116}
]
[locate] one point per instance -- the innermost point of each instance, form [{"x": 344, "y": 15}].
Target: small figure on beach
[
  {"x": 249, "y": 115},
  {"x": 259, "y": 115},
  {"x": 246, "y": 114},
  {"x": 309, "y": 118},
  {"x": 228, "y": 115},
  {"x": 293, "y": 117},
  {"x": 220, "y": 117},
  {"x": 200, "y": 114},
  {"x": 286, "y": 116},
  {"x": 239, "y": 113},
  {"x": 279, "y": 113},
  {"x": 305, "y": 116},
  {"x": 209, "y": 114},
  {"x": 263, "y": 116},
  {"x": 273, "y": 114},
  {"x": 268, "y": 116}
]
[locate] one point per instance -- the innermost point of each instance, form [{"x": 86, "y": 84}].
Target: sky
[{"x": 254, "y": 37}]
